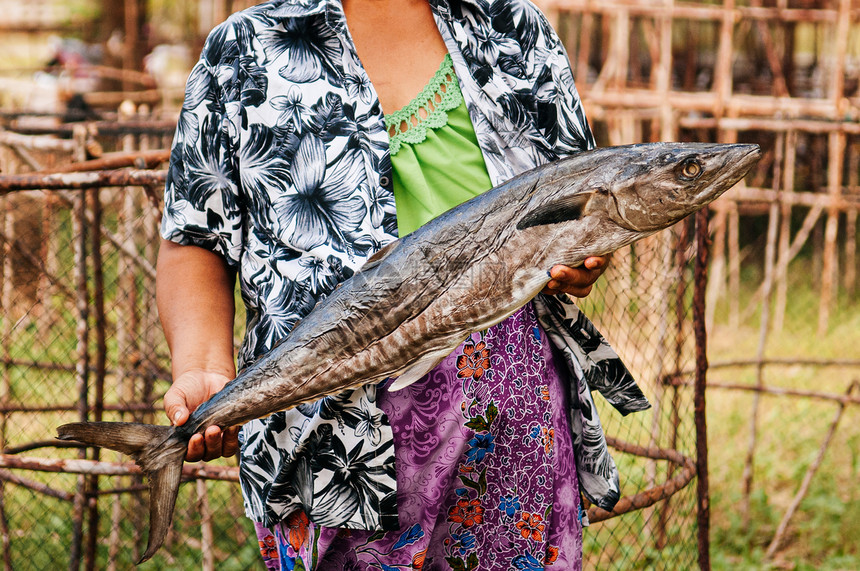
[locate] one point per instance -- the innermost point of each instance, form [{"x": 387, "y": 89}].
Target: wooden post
[
  {"x": 99, "y": 367},
  {"x": 850, "y": 282},
  {"x": 6, "y": 224},
  {"x": 734, "y": 267},
  {"x": 786, "y": 189},
  {"x": 207, "y": 536},
  {"x": 717, "y": 277},
  {"x": 703, "y": 502},
  {"x": 836, "y": 148},
  {"x": 82, "y": 365}
]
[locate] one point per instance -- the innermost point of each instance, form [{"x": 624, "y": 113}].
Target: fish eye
[{"x": 690, "y": 169}]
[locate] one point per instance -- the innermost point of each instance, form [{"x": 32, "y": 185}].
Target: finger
[
  {"x": 175, "y": 407},
  {"x": 212, "y": 439},
  {"x": 558, "y": 272},
  {"x": 196, "y": 448},
  {"x": 565, "y": 275},
  {"x": 231, "y": 441},
  {"x": 579, "y": 277},
  {"x": 578, "y": 291},
  {"x": 596, "y": 262}
]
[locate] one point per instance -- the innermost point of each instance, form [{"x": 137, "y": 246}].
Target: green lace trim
[{"x": 429, "y": 109}]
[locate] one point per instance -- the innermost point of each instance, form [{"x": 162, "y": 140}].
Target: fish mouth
[{"x": 739, "y": 159}]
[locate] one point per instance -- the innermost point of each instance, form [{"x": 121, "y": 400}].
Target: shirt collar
[
  {"x": 295, "y": 8},
  {"x": 302, "y": 8}
]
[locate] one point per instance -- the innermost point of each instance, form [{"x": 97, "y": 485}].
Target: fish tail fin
[{"x": 158, "y": 451}]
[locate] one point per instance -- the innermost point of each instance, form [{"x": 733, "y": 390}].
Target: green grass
[{"x": 790, "y": 432}]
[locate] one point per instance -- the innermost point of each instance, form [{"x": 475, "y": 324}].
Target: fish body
[{"x": 419, "y": 297}]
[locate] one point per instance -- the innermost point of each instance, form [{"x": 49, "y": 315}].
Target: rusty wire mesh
[{"x": 80, "y": 326}]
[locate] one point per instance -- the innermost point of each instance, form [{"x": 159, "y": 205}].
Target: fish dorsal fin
[
  {"x": 561, "y": 210},
  {"x": 418, "y": 369},
  {"x": 380, "y": 255}
]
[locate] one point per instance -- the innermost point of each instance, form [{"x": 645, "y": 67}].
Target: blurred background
[{"x": 89, "y": 94}]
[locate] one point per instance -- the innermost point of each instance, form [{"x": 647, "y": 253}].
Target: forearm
[{"x": 194, "y": 293}]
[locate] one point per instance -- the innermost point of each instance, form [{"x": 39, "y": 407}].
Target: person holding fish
[{"x": 313, "y": 133}]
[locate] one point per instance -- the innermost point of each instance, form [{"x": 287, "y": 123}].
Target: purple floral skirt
[{"x": 485, "y": 469}]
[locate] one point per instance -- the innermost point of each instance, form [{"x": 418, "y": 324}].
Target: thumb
[{"x": 175, "y": 407}]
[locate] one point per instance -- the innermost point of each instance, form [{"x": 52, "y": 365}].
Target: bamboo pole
[
  {"x": 103, "y": 128},
  {"x": 196, "y": 470},
  {"x": 779, "y": 84},
  {"x": 784, "y": 230},
  {"x": 148, "y": 320},
  {"x": 725, "y": 51},
  {"x": 668, "y": 125},
  {"x": 782, "y": 392},
  {"x": 47, "y": 260},
  {"x": 36, "y": 143},
  {"x": 586, "y": 28},
  {"x": 7, "y": 476},
  {"x": 82, "y": 362},
  {"x": 836, "y": 146},
  {"x": 100, "y": 365},
  {"x": 139, "y": 160},
  {"x": 744, "y": 194},
  {"x": 207, "y": 536},
  {"x": 7, "y": 289},
  {"x": 130, "y": 408},
  {"x": 734, "y": 267},
  {"x": 850, "y": 278},
  {"x": 717, "y": 278},
  {"x": 67, "y": 181}
]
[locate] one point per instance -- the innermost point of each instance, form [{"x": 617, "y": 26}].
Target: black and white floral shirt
[{"x": 280, "y": 164}]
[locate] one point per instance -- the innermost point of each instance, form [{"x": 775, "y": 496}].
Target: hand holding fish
[
  {"x": 576, "y": 281},
  {"x": 190, "y": 390}
]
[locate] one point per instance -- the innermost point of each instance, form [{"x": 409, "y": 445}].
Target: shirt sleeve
[
  {"x": 560, "y": 114},
  {"x": 201, "y": 200}
]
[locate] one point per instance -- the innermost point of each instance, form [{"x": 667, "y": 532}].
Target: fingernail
[{"x": 177, "y": 416}]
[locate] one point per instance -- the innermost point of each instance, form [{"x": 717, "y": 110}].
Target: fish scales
[{"x": 419, "y": 297}]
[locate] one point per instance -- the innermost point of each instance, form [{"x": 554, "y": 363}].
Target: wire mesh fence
[{"x": 81, "y": 340}]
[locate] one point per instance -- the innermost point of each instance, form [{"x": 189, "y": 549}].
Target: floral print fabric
[
  {"x": 280, "y": 164},
  {"x": 485, "y": 469}
]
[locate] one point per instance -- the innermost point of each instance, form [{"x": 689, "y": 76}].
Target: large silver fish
[{"x": 419, "y": 297}]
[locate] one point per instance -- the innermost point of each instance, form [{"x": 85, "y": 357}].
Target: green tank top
[{"x": 435, "y": 158}]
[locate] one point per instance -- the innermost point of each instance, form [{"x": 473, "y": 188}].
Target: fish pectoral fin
[
  {"x": 561, "y": 210},
  {"x": 417, "y": 370}
]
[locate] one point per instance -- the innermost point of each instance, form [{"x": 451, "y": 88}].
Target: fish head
[{"x": 655, "y": 185}]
